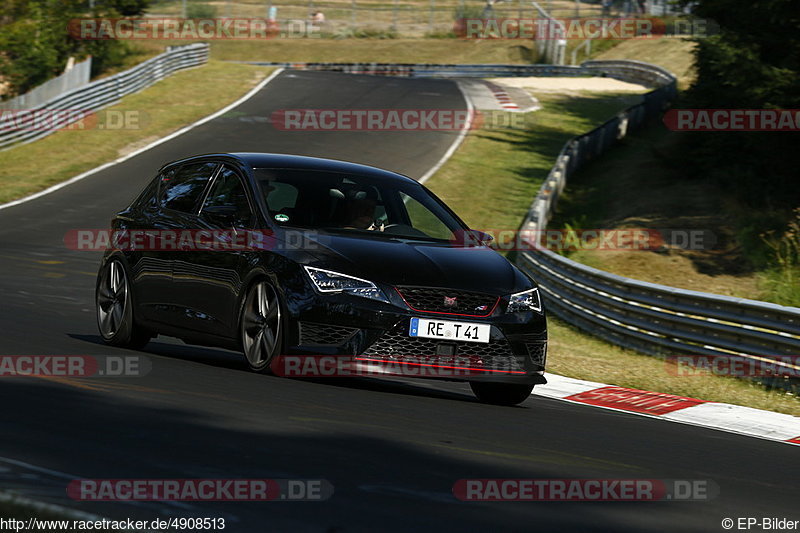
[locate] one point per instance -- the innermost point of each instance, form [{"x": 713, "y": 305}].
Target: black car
[{"x": 330, "y": 260}]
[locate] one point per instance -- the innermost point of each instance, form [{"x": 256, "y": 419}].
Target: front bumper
[{"x": 374, "y": 339}]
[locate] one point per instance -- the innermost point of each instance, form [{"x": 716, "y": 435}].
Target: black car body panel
[{"x": 197, "y": 295}]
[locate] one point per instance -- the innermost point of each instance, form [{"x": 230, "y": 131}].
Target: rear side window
[
  {"x": 148, "y": 198},
  {"x": 182, "y": 190}
]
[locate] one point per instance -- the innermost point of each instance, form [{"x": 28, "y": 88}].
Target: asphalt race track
[{"x": 392, "y": 449}]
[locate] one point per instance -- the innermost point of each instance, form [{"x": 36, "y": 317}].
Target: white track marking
[
  {"x": 171, "y": 136},
  {"x": 712, "y": 415},
  {"x": 457, "y": 142}
]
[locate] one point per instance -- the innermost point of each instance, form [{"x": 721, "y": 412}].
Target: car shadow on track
[
  {"x": 231, "y": 360},
  {"x": 385, "y": 477},
  {"x": 177, "y": 350}
]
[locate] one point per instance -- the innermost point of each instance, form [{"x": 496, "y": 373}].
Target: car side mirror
[
  {"x": 471, "y": 237},
  {"x": 224, "y": 214},
  {"x": 480, "y": 236}
]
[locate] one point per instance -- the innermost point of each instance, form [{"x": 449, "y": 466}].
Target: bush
[
  {"x": 469, "y": 12},
  {"x": 441, "y": 35},
  {"x": 36, "y": 44},
  {"x": 783, "y": 280},
  {"x": 127, "y": 8},
  {"x": 753, "y": 62},
  {"x": 364, "y": 33}
]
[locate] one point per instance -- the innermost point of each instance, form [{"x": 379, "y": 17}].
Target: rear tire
[
  {"x": 501, "y": 393},
  {"x": 114, "y": 303}
]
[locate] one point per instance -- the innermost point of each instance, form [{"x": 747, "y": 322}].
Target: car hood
[{"x": 408, "y": 262}]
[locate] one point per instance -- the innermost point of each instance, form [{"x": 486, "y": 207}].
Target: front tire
[
  {"x": 261, "y": 328},
  {"x": 501, "y": 393},
  {"x": 114, "y": 303}
]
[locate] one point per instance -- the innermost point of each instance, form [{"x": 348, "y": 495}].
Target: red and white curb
[
  {"x": 714, "y": 415},
  {"x": 502, "y": 96}
]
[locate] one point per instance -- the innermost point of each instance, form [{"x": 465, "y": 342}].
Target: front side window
[
  {"x": 280, "y": 196},
  {"x": 345, "y": 203},
  {"x": 228, "y": 191},
  {"x": 181, "y": 191}
]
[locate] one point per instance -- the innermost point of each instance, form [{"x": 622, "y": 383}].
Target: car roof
[{"x": 289, "y": 161}]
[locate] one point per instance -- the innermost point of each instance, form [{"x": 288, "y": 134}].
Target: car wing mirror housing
[{"x": 472, "y": 237}]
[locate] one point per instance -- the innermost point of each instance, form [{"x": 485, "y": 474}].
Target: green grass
[
  {"x": 577, "y": 355},
  {"x": 672, "y": 53},
  {"x": 637, "y": 184},
  {"x": 179, "y": 100},
  {"x": 780, "y": 286},
  {"x": 492, "y": 178},
  {"x": 781, "y": 280},
  {"x": 640, "y": 183},
  {"x": 490, "y": 182}
]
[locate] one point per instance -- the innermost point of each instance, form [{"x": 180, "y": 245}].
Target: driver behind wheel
[{"x": 360, "y": 210}]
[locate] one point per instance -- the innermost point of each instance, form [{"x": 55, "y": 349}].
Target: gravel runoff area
[{"x": 594, "y": 84}]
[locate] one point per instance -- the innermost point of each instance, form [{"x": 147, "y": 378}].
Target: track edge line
[{"x": 155, "y": 143}]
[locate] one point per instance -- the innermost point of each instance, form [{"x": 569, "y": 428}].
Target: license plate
[{"x": 451, "y": 331}]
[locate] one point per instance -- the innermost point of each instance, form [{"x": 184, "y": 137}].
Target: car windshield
[{"x": 347, "y": 203}]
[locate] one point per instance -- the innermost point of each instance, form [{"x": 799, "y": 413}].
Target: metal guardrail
[
  {"x": 650, "y": 318},
  {"x": 76, "y": 76},
  {"x": 435, "y": 70},
  {"x": 96, "y": 95},
  {"x": 632, "y": 71}
]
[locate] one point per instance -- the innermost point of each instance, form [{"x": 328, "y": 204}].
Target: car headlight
[
  {"x": 329, "y": 281},
  {"x": 524, "y": 301}
]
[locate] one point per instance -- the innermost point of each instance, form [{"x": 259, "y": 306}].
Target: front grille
[
  {"x": 397, "y": 345},
  {"x": 324, "y": 334},
  {"x": 434, "y": 300}
]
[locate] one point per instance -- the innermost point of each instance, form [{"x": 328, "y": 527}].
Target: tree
[
  {"x": 35, "y": 43},
  {"x": 127, "y": 8},
  {"x": 752, "y": 63}
]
